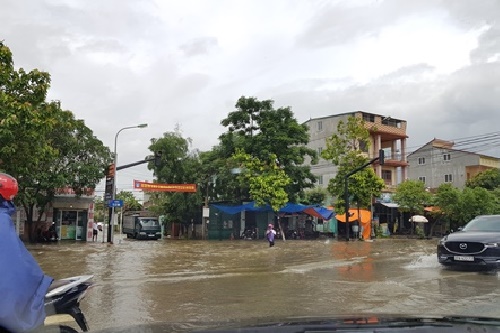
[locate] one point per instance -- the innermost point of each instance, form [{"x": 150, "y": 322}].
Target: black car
[{"x": 475, "y": 245}]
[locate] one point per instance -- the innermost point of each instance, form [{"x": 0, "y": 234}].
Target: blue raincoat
[{"x": 23, "y": 284}]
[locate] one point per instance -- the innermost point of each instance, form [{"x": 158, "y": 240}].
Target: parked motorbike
[
  {"x": 249, "y": 234},
  {"x": 65, "y": 299}
]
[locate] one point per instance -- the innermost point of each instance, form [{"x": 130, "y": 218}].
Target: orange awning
[
  {"x": 432, "y": 209},
  {"x": 366, "y": 215},
  {"x": 366, "y": 219}
]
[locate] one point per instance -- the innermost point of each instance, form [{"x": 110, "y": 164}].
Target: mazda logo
[{"x": 463, "y": 246}]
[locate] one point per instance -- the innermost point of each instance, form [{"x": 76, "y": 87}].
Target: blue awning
[
  {"x": 249, "y": 207},
  {"x": 325, "y": 213},
  {"x": 289, "y": 208}
]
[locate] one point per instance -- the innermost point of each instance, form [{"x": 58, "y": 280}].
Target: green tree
[
  {"x": 316, "y": 196},
  {"x": 266, "y": 179},
  {"x": 489, "y": 179},
  {"x": 130, "y": 202},
  {"x": 496, "y": 195},
  {"x": 178, "y": 165},
  {"x": 475, "y": 201},
  {"x": 447, "y": 198},
  {"x": 412, "y": 197},
  {"x": 347, "y": 150},
  {"x": 41, "y": 145},
  {"x": 260, "y": 130},
  {"x": 99, "y": 209},
  {"x": 461, "y": 206},
  {"x": 216, "y": 180}
]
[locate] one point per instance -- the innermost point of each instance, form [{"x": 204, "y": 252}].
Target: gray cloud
[
  {"x": 339, "y": 23},
  {"x": 119, "y": 63},
  {"x": 462, "y": 104},
  {"x": 488, "y": 45}
]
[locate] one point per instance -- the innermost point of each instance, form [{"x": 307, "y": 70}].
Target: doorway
[{"x": 70, "y": 224}]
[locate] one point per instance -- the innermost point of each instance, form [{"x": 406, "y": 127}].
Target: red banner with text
[{"x": 156, "y": 187}]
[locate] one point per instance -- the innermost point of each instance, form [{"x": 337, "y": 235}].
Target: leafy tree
[
  {"x": 447, "y": 198},
  {"x": 45, "y": 146},
  {"x": 316, "y": 196},
  {"x": 217, "y": 183},
  {"x": 99, "y": 209},
  {"x": 267, "y": 181},
  {"x": 347, "y": 150},
  {"x": 461, "y": 206},
  {"x": 489, "y": 179},
  {"x": 260, "y": 130},
  {"x": 178, "y": 166},
  {"x": 473, "y": 202},
  {"x": 496, "y": 196},
  {"x": 130, "y": 202},
  {"x": 412, "y": 196}
]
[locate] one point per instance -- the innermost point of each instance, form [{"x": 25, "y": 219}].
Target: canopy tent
[
  {"x": 365, "y": 219},
  {"x": 289, "y": 208},
  {"x": 418, "y": 219},
  {"x": 432, "y": 209},
  {"x": 321, "y": 212}
]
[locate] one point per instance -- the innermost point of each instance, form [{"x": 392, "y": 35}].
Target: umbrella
[{"x": 418, "y": 219}]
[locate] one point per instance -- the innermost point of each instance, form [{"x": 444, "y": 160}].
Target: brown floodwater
[{"x": 189, "y": 281}]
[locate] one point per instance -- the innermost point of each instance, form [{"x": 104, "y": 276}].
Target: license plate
[{"x": 463, "y": 258}]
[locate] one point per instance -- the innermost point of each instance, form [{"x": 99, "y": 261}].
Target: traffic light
[
  {"x": 381, "y": 157},
  {"x": 158, "y": 158},
  {"x": 110, "y": 170}
]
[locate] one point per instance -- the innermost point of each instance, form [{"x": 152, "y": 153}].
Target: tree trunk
[
  {"x": 28, "y": 209},
  {"x": 282, "y": 231},
  {"x": 431, "y": 231},
  {"x": 359, "y": 220}
]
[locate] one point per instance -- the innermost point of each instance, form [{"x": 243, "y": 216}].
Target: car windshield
[
  {"x": 489, "y": 223},
  {"x": 149, "y": 224}
]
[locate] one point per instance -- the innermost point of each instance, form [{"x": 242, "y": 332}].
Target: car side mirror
[{"x": 460, "y": 229}]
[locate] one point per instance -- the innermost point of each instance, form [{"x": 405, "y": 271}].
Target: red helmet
[{"x": 8, "y": 187}]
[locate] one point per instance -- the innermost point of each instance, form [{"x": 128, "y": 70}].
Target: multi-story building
[
  {"x": 386, "y": 133},
  {"x": 437, "y": 162}
]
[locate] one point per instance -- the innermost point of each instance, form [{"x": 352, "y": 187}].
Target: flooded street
[{"x": 181, "y": 281}]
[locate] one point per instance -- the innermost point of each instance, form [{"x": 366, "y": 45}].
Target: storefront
[{"x": 71, "y": 215}]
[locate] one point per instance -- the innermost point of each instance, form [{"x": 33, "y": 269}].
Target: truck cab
[{"x": 141, "y": 227}]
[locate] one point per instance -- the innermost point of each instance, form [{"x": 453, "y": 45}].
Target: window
[
  {"x": 446, "y": 157},
  {"x": 363, "y": 146},
  {"x": 320, "y": 180},
  {"x": 448, "y": 178},
  {"x": 320, "y": 125},
  {"x": 369, "y": 117},
  {"x": 387, "y": 176},
  {"x": 421, "y": 160},
  {"x": 391, "y": 122},
  {"x": 422, "y": 179}
]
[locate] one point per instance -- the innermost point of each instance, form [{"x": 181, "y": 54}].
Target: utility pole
[{"x": 110, "y": 191}]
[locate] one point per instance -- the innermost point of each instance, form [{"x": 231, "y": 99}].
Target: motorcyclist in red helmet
[{"x": 23, "y": 284}]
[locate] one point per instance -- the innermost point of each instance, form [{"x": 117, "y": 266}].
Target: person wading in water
[{"x": 271, "y": 234}]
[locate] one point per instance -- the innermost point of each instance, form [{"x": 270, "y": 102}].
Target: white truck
[{"x": 141, "y": 225}]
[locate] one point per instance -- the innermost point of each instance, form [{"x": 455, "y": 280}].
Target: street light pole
[{"x": 113, "y": 193}]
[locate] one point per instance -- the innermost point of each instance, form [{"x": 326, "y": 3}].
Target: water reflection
[{"x": 142, "y": 281}]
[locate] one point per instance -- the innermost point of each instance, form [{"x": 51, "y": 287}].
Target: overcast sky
[{"x": 117, "y": 63}]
